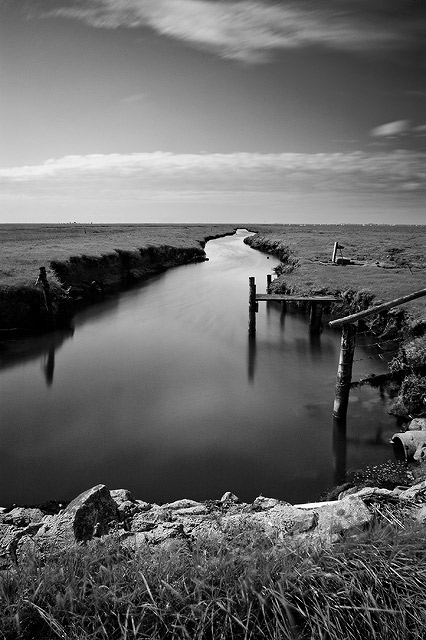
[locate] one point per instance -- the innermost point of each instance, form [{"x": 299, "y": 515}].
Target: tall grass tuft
[{"x": 369, "y": 586}]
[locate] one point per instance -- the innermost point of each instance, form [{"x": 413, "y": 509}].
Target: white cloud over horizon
[
  {"x": 391, "y": 129},
  {"x": 250, "y": 30},
  {"x": 165, "y": 175}
]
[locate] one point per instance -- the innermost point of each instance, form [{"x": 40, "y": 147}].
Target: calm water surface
[{"x": 161, "y": 392}]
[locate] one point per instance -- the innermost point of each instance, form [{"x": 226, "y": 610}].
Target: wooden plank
[
  {"x": 377, "y": 309},
  {"x": 279, "y": 296}
]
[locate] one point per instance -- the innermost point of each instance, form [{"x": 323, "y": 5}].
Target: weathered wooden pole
[
  {"x": 336, "y": 246},
  {"x": 268, "y": 283},
  {"x": 315, "y": 317},
  {"x": 252, "y": 307},
  {"x": 344, "y": 370},
  {"x": 42, "y": 279}
]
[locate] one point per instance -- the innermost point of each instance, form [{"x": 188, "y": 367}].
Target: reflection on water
[{"x": 161, "y": 391}]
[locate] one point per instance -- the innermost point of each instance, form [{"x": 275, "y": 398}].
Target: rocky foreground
[{"x": 117, "y": 516}]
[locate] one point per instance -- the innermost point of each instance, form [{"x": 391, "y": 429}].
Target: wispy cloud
[
  {"x": 391, "y": 129},
  {"x": 135, "y": 97},
  {"x": 250, "y": 30},
  {"x": 398, "y": 128},
  {"x": 153, "y": 175}
]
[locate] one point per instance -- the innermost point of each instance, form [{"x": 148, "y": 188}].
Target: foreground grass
[
  {"x": 370, "y": 586},
  {"x": 27, "y": 247}
]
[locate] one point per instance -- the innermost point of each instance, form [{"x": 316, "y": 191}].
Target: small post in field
[
  {"x": 252, "y": 307},
  {"x": 344, "y": 370}
]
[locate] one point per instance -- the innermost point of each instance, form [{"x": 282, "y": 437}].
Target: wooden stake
[
  {"x": 344, "y": 371},
  {"x": 336, "y": 246},
  {"x": 252, "y": 307}
]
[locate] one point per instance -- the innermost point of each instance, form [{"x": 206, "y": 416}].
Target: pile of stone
[{"x": 101, "y": 514}]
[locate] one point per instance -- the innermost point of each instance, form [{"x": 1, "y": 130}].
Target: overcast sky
[{"x": 208, "y": 110}]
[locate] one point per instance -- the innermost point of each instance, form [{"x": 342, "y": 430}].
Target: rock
[
  {"x": 369, "y": 494},
  {"x": 417, "y": 424},
  {"x": 228, "y": 496},
  {"x": 420, "y": 515},
  {"x": 90, "y": 514},
  {"x": 10, "y": 538},
  {"x": 122, "y": 495},
  {"x": 414, "y": 492},
  {"x": 340, "y": 517},
  {"x": 420, "y": 453},
  {"x": 178, "y": 505},
  {"x": 127, "y": 504},
  {"x": 263, "y": 504},
  {"x": 278, "y": 521},
  {"x": 22, "y": 516},
  {"x": 144, "y": 506},
  {"x": 156, "y": 534}
]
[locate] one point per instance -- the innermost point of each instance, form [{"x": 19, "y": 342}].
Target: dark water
[{"x": 161, "y": 392}]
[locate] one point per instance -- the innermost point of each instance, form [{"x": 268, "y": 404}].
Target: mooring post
[
  {"x": 252, "y": 306},
  {"x": 268, "y": 283},
  {"x": 344, "y": 370},
  {"x": 42, "y": 279},
  {"x": 315, "y": 318}
]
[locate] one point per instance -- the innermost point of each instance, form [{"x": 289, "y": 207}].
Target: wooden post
[
  {"x": 268, "y": 283},
  {"x": 315, "y": 318},
  {"x": 344, "y": 371},
  {"x": 336, "y": 246},
  {"x": 252, "y": 306},
  {"x": 42, "y": 279}
]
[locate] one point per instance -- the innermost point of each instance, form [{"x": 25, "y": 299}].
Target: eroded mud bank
[{"x": 84, "y": 279}]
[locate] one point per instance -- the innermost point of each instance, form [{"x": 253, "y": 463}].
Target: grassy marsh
[
  {"x": 27, "y": 247},
  {"x": 392, "y": 260}
]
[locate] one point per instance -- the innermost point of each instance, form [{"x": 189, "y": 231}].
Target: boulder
[
  {"x": 278, "y": 521},
  {"x": 127, "y": 504},
  {"x": 340, "y": 517},
  {"x": 91, "y": 514}
]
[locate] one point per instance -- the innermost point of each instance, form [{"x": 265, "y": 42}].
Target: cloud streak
[
  {"x": 250, "y": 30},
  {"x": 161, "y": 174}
]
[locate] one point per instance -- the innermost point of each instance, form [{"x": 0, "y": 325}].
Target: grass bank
[
  {"x": 387, "y": 262},
  {"x": 372, "y": 585},
  {"x": 84, "y": 262}
]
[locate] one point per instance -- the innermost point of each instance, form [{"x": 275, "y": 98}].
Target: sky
[{"x": 291, "y": 111}]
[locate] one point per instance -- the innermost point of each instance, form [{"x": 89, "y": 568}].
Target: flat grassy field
[
  {"x": 25, "y": 248},
  {"x": 391, "y": 260}
]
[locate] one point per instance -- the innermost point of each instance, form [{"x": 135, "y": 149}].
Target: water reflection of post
[
  {"x": 315, "y": 342},
  {"x": 49, "y": 365},
  {"x": 283, "y": 312},
  {"x": 339, "y": 450},
  {"x": 251, "y": 358}
]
